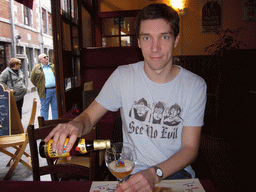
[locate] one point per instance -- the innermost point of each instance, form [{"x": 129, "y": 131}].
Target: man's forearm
[
  {"x": 184, "y": 157},
  {"x": 83, "y": 123}
]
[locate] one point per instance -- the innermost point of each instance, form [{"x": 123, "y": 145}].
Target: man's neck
[
  {"x": 45, "y": 64},
  {"x": 162, "y": 76}
]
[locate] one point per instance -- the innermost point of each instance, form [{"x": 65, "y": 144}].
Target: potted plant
[{"x": 228, "y": 40}]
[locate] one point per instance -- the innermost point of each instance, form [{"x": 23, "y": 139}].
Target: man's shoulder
[
  {"x": 132, "y": 66},
  {"x": 191, "y": 75},
  {"x": 37, "y": 66}
]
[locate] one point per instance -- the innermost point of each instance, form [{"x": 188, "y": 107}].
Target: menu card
[{"x": 181, "y": 185}]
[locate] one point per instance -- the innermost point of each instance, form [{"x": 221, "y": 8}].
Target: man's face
[
  {"x": 44, "y": 60},
  {"x": 157, "y": 43}
]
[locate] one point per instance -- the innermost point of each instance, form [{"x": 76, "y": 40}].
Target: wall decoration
[
  {"x": 211, "y": 16},
  {"x": 249, "y": 10}
]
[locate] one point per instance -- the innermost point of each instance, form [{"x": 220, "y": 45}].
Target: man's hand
[
  {"x": 61, "y": 132},
  {"x": 141, "y": 181}
]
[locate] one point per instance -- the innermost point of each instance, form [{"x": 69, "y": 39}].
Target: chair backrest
[
  {"x": 52, "y": 122},
  {"x": 76, "y": 171},
  {"x": 33, "y": 112}
]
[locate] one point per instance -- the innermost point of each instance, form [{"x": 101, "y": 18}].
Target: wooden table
[{"x": 69, "y": 186}]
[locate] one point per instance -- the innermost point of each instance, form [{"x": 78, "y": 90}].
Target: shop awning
[{"x": 27, "y": 3}]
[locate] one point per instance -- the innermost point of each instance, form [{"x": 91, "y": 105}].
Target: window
[
  {"x": 2, "y": 57},
  {"x": 49, "y": 24},
  {"x": 118, "y": 32},
  {"x": 65, "y": 8},
  {"x": 19, "y": 50},
  {"x": 27, "y": 16},
  {"x": 44, "y": 20}
]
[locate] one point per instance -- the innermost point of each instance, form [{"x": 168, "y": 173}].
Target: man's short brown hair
[{"x": 158, "y": 11}]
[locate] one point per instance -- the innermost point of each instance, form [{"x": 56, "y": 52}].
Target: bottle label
[
  {"x": 51, "y": 154},
  {"x": 101, "y": 144},
  {"x": 81, "y": 147}
]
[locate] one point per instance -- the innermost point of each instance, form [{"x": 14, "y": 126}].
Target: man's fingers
[{"x": 72, "y": 140}]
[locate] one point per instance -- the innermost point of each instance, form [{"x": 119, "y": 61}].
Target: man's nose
[{"x": 155, "y": 46}]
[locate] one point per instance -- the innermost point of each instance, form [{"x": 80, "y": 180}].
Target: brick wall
[
  {"x": 5, "y": 30},
  {"x": 4, "y": 9}
]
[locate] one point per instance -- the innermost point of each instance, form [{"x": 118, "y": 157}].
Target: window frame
[
  {"x": 119, "y": 15},
  {"x": 27, "y": 12}
]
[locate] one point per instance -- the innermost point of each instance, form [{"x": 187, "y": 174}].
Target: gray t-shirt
[{"x": 153, "y": 115}]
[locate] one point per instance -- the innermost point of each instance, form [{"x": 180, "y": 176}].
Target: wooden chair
[
  {"x": 52, "y": 122},
  {"x": 19, "y": 143},
  {"x": 83, "y": 161},
  {"x": 58, "y": 171}
]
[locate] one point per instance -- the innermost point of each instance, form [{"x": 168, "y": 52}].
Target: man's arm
[
  {"x": 81, "y": 125},
  {"x": 184, "y": 157},
  {"x": 32, "y": 77}
]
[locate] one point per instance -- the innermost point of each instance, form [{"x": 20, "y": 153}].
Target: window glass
[
  {"x": 74, "y": 11},
  {"x": 49, "y": 24},
  {"x": 75, "y": 37},
  {"x": 77, "y": 72},
  {"x": 19, "y": 50},
  {"x": 86, "y": 27},
  {"x": 66, "y": 37},
  {"x": 118, "y": 31},
  {"x": 110, "y": 42},
  {"x": 68, "y": 83},
  {"x": 127, "y": 25},
  {"x": 65, "y": 8},
  {"x": 2, "y": 57},
  {"x": 27, "y": 16},
  {"x": 44, "y": 20},
  {"x": 127, "y": 41},
  {"x": 110, "y": 26}
]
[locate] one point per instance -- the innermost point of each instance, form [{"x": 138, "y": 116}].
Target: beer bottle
[{"x": 80, "y": 147}]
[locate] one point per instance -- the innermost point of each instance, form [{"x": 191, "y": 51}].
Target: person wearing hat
[{"x": 43, "y": 77}]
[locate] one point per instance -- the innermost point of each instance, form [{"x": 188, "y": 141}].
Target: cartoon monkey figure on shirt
[
  {"x": 172, "y": 115},
  {"x": 140, "y": 110},
  {"x": 158, "y": 113}
]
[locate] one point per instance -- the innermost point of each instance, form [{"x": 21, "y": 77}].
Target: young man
[
  {"x": 43, "y": 77},
  {"x": 163, "y": 150}
]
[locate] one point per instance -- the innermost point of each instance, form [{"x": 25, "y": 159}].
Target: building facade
[{"x": 25, "y": 33}]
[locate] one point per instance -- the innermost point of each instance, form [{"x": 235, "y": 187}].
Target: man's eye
[
  {"x": 165, "y": 37},
  {"x": 146, "y": 38}
]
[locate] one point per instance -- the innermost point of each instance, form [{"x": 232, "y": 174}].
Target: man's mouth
[{"x": 155, "y": 57}]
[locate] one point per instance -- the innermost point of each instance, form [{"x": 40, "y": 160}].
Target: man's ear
[
  {"x": 138, "y": 40},
  {"x": 177, "y": 40}
]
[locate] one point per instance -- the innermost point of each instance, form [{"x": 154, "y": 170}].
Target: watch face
[{"x": 159, "y": 172}]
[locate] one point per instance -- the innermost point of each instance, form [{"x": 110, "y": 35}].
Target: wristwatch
[{"x": 159, "y": 172}]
